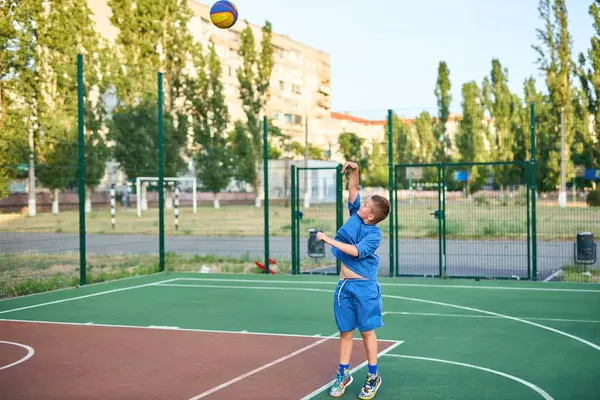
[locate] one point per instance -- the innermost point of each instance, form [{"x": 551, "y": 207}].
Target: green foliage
[
  {"x": 377, "y": 170},
  {"x": 214, "y": 159},
  {"x": 444, "y": 98},
  {"x": 593, "y": 198},
  {"x": 554, "y": 59},
  {"x": 352, "y": 149},
  {"x": 426, "y": 137},
  {"x": 471, "y": 135},
  {"x": 254, "y": 77},
  {"x": 134, "y": 131},
  {"x": 589, "y": 79},
  {"x": 405, "y": 141},
  {"x": 243, "y": 154}
]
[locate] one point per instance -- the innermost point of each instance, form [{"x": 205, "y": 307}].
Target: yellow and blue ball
[{"x": 223, "y": 14}]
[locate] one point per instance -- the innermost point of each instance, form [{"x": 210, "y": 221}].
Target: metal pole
[
  {"x": 533, "y": 195},
  {"x": 176, "y": 206},
  {"x": 562, "y": 197},
  {"x": 113, "y": 217},
  {"x": 391, "y": 190},
  {"x": 194, "y": 195},
  {"x": 293, "y": 205},
  {"x": 161, "y": 177},
  {"x": 266, "y": 189},
  {"x": 81, "y": 172}
]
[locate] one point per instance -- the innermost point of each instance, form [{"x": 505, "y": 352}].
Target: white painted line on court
[
  {"x": 488, "y": 316},
  {"x": 388, "y": 296},
  {"x": 157, "y": 327},
  {"x": 595, "y": 346},
  {"x": 256, "y": 370},
  {"x": 353, "y": 370},
  {"x": 89, "y": 323},
  {"x": 164, "y": 327},
  {"x": 333, "y": 283},
  {"x": 30, "y": 353},
  {"x": 539, "y": 390},
  {"x": 85, "y": 296}
]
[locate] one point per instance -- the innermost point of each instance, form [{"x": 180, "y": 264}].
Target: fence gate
[
  {"x": 467, "y": 220},
  {"x": 316, "y": 195},
  {"x": 418, "y": 218}
]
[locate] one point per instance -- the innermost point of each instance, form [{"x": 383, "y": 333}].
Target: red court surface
[{"x": 96, "y": 362}]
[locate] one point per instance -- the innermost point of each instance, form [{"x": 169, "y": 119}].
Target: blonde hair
[{"x": 381, "y": 207}]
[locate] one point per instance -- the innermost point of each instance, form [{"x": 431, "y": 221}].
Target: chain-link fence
[{"x": 462, "y": 205}]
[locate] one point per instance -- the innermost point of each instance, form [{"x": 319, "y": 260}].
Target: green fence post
[
  {"x": 444, "y": 265},
  {"x": 339, "y": 209},
  {"x": 293, "y": 198},
  {"x": 297, "y": 201},
  {"x": 81, "y": 172},
  {"x": 266, "y": 188},
  {"x": 527, "y": 184},
  {"x": 533, "y": 194},
  {"x": 440, "y": 216},
  {"x": 161, "y": 177},
  {"x": 391, "y": 189},
  {"x": 396, "y": 223}
]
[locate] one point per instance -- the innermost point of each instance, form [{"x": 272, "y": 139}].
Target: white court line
[
  {"x": 298, "y": 282},
  {"x": 543, "y": 393},
  {"x": 353, "y": 370},
  {"x": 401, "y": 298},
  {"x": 30, "y": 353},
  {"x": 85, "y": 296},
  {"x": 171, "y": 328},
  {"x": 488, "y": 316},
  {"x": 256, "y": 370}
]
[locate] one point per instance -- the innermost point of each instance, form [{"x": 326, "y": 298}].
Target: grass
[
  {"x": 464, "y": 220},
  {"x": 579, "y": 273},
  {"x": 23, "y": 274}
]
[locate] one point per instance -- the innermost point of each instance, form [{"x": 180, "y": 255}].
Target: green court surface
[{"x": 459, "y": 339}]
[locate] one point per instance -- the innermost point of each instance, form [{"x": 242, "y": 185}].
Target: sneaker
[
  {"x": 369, "y": 389},
  {"x": 340, "y": 384}
]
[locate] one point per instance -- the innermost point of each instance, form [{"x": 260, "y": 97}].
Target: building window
[
  {"x": 296, "y": 89},
  {"x": 297, "y": 119},
  {"x": 275, "y": 116},
  {"x": 288, "y": 118},
  {"x": 282, "y": 85}
]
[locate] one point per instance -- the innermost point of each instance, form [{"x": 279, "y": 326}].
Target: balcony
[{"x": 325, "y": 89}]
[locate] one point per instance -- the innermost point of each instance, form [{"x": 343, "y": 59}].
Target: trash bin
[{"x": 585, "y": 248}]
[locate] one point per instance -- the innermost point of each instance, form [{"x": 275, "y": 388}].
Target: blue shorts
[{"x": 357, "y": 304}]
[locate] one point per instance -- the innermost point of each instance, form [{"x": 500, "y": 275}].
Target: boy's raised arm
[{"x": 353, "y": 182}]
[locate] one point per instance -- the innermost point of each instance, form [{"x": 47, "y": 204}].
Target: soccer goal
[{"x": 141, "y": 179}]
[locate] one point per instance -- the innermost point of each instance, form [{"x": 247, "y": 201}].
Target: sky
[{"x": 385, "y": 54}]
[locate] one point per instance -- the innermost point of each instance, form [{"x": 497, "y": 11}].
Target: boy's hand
[
  {"x": 349, "y": 164},
  {"x": 322, "y": 237}
]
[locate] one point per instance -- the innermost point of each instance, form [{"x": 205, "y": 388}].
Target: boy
[{"x": 357, "y": 299}]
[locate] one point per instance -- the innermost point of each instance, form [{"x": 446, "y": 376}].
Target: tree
[
  {"x": 243, "y": 156},
  {"x": 498, "y": 101},
  {"x": 214, "y": 157},
  {"x": 470, "y": 137},
  {"x": 589, "y": 77},
  {"x": 64, "y": 28},
  {"x": 17, "y": 51},
  {"x": 254, "y": 76},
  {"x": 377, "y": 165},
  {"x": 426, "y": 138},
  {"x": 444, "y": 98},
  {"x": 153, "y": 37},
  {"x": 554, "y": 60},
  {"x": 352, "y": 149}
]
